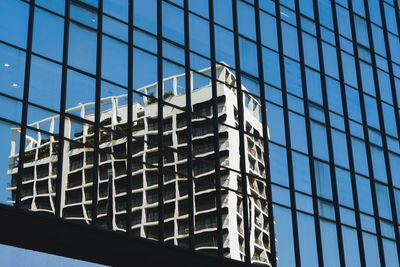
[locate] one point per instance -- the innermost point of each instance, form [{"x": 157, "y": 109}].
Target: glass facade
[
  {"x": 261, "y": 131},
  {"x": 12, "y": 256}
]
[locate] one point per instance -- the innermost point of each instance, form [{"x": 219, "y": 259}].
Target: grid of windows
[{"x": 259, "y": 130}]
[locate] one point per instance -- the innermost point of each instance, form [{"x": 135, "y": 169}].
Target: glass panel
[
  {"x": 323, "y": 179},
  {"x": 319, "y": 140},
  {"x": 78, "y": 182},
  {"x": 10, "y": 137},
  {"x": 115, "y": 28},
  {"x": 268, "y": 30},
  {"x": 329, "y": 244},
  {"x": 259, "y": 230},
  {"x": 275, "y": 126},
  {"x": 40, "y": 172},
  {"x": 45, "y": 90},
  {"x": 145, "y": 15},
  {"x": 13, "y": 256},
  {"x": 144, "y": 73},
  {"x": 254, "y": 154},
  {"x": 83, "y": 15},
  {"x": 12, "y": 70},
  {"x": 82, "y": 48},
  {"x": 56, "y": 6},
  {"x": 308, "y": 248},
  {"x": 223, "y": 13},
  {"x": 299, "y": 134},
  {"x": 301, "y": 172},
  {"x": 48, "y": 35},
  {"x": 350, "y": 243},
  {"x": 205, "y": 218},
  {"x": 199, "y": 7},
  {"x": 344, "y": 185},
  {"x": 246, "y": 25},
  {"x": 289, "y": 39},
  {"x": 14, "y": 17},
  {"x": 224, "y": 46},
  {"x": 80, "y": 95},
  {"x": 248, "y": 56},
  {"x": 271, "y": 67},
  {"x": 284, "y": 236},
  {"x": 114, "y": 61},
  {"x": 390, "y": 251},
  {"x": 172, "y": 23},
  {"x": 117, "y": 8},
  {"x": 278, "y": 163},
  {"x": 371, "y": 250},
  {"x": 364, "y": 195}
]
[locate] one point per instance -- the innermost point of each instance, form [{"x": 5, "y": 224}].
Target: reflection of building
[{"x": 41, "y": 162}]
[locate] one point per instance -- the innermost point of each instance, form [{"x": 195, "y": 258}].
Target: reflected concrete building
[{"x": 41, "y": 163}]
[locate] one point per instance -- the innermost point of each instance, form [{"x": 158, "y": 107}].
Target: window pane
[
  {"x": 248, "y": 56},
  {"x": 12, "y": 70},
  {"x": 13, "y": 256},
  {"x": 82, "y": 48},
  {"x": 323, "y": 179},
  {"x": 279, "y": 174},
  {"x": 298, "y": 132},
  {"x": 364, "y": 195},
  {"x": 145, "y": 15},
  {"x": 345, "y": 193},
  {"x": 330, "y": 248},
  {"x": 48, "y": 36},
  {"x": 284, "y": 235},
  {"x": 117, "y": 8},
  {"x": 45, "y": 89},
  {"x": 350, "y": 244},
  {"x": 307, "y": 241},
  {"x": 14, "y": 17},
  {"x": 114, "y": 61},
  {"x": 371, "y": 250},
  {"x": 301, "y": 172}
]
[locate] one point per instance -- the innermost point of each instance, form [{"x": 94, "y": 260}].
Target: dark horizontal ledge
[{"x": 64, "y": 238}]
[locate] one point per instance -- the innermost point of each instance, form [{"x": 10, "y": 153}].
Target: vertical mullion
[
  {"x": 347, "y": 127},
  {"x": 308, "y": 132},
  {"x": 58, "y": 204},
  {"x": 97, "y": 114},
  {"x": 329, "y": 132},
  {"x": 382, "y": 131},
  {"x": 241, "y": 134},
  {"x": 384, "y": 141},
  {"x": 110, "y": 199},
  {"x": 25, "y": 104},
  {"x": 396, "y": 9},
  {"x": 264, "y": 115},
  {"x": 110, "y": 196},
  {"x": 390, "y": 67},
  {"x": 160, "y": 121},
  {"x": 189, "y": 126},
  {"x": 309, "y": 137},
  {"x": 365, "y": 132},
  {"x": 287, "y": 139},
  {"x": 129, "y": 121},
  {"x": 215, "y": 128},
  {"x": 308, "y": 128}
]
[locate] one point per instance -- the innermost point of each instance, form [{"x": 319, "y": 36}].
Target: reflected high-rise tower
[{"x": 41, "y": 163}]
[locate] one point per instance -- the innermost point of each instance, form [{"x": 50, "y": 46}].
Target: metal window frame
[{"x": 14, "y": 227}]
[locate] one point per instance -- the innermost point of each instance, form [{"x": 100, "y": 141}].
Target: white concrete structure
[{"x": 38, "y": 190}]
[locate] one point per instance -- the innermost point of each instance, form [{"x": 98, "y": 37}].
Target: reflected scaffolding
[{"x": 112, "y": 201}]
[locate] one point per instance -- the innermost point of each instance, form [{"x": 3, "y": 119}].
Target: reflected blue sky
[
  {"x": 81, "y": 88},
  {"x": 13, "y": 256}
]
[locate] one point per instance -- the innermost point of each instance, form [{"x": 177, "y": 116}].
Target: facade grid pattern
[{"x": 282, "y": 117}]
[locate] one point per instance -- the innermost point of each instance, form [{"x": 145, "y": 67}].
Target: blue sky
[{"x": 12, "y": 256}]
